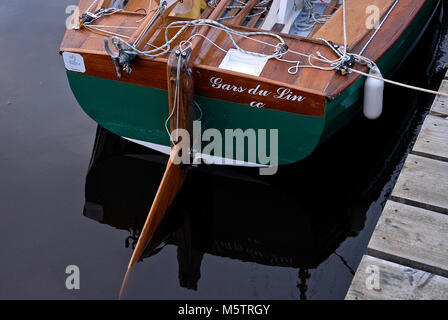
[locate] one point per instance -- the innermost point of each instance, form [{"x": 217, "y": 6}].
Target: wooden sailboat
[
  {"x": 306, "y": 105},
  {"x": 140, "y": 68}
]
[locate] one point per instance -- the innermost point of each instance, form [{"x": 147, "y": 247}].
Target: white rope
[
  {"x": 113, "y": 27},
  {"x": 344, "y": 19},
  {"x": 110, "y": 33},
  {"x": 189, "y": 43},
  {"x": 444, "y": 94},
  {"x": 312, "y": 18},
  {"x": 163, "y": 49},
  {"x": 91, "y": 6},
  {"x": 175, "y": 104},
  {"x": 277, "y": 54},
  {"x": 101, "y": 13}
]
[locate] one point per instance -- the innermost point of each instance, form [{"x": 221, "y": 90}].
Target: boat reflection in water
[{"x": 294, "y": 219}]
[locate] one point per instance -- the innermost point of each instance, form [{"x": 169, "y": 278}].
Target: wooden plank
[
  {"x": 142, "y": 4},
  {"x": 432, "y": 141},
  {"x": 412, "y": 236},
  {"x": 397, "y": 282},
  {"x": 328, "y": 82},
  {"x": 253, "y": 21},
  {"x": 242, "y": 15},
  {"x": 440, "y": 104},
  {"x": 393, "y": 28},
  {"x": 149, "y": 27},
  {"x": 423, "y": 182},
  {"x": 409, "y": 246},
  {"x": 333, "y": 29},
  {"x": 207, "y": 11},
  {"x": 332, "y": 83},
  {"x": 231, "y": 12}
]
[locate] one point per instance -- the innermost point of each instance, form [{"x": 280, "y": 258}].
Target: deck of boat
[
  {"x": 207, "y": 57},
  {"x": 409, "y": 247}
]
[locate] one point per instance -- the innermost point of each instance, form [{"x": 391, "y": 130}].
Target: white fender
[{"x": 373, "y": 95}]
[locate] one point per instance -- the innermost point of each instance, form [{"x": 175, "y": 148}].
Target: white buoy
[{"x": 373, "y": 95}]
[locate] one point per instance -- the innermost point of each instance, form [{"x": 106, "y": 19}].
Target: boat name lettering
[
  {"x": 281, "y": 93},
  {"x": 257, "y": 104},
  {"x": 217, "y": 84},
  {"x": 287, "y": 94}
]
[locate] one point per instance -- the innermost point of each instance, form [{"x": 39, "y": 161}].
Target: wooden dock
[{"x": 407, "y": 257}]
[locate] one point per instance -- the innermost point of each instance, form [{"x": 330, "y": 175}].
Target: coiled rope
[{"x": 312, "y": 17}]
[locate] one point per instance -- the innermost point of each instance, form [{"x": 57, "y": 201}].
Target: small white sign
[{"x": 74, "y": 62}]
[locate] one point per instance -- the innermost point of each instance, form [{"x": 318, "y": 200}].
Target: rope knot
[{"x": 280, "y": 49}]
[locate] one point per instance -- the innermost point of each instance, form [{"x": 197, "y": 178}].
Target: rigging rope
[
  {"x": 165, "y": 48},
  {"x": 176, "y": 101},
  {"x": 312, "y": 17},
  {"x": 343, "y": 63},
  {"x": 379, "y": 27}
]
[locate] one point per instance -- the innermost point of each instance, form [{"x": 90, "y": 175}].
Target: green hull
[{"x": 139, "y": 112}]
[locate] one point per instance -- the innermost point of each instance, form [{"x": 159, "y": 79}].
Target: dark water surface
[{"x": 300, "y": 234}]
